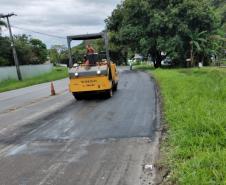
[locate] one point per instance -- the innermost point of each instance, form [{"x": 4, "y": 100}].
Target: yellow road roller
[{"x": 97, "y": 74}]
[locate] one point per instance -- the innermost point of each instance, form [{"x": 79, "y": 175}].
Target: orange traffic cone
[{"x": 53, "y": 93}]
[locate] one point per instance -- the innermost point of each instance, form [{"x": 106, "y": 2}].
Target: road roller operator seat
[{"x": 93, "y": 59}]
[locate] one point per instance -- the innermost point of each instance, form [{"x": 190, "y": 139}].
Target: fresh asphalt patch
[{"x": 93, "y": 141}]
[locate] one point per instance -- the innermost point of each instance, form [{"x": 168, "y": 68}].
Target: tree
[
  {"x": 24, "y": 50},
  {"x": 152, "y": 26},
  {"x": 197, "y": 44},
  {"x": 29, "y": 50},
  {"x": 126, "y": 27},
  {"x": 2, "y": 24},
  {"x": 5, "y": 52},
  {"x": 56, "y": 52},
  {"x": 53, "y": 56},
  {"x": 39, "y": 50}
]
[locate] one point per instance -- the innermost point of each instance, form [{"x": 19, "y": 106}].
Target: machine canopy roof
[{"x": 86, "y": 36}]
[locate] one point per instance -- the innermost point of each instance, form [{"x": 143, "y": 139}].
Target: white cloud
[{"x": 58, "y": 17}]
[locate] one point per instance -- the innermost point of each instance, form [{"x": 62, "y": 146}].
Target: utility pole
[{"x": 16, "y": 61}]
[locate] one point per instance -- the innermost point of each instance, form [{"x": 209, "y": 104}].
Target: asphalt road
[
  {"x": 15, "y": 99},
  {"x": 57, "y": 140}
]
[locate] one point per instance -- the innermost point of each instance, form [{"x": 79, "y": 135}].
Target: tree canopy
[
  {"x": 2, "y": 24},
  {"x": 151, "y": 27},
  {"x": 29, "y": 50}
]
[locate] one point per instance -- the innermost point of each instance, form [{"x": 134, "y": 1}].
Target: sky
[{"x": 57, "y": 17}]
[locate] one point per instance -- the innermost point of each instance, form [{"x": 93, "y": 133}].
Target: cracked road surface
[{"x": 57, "y": 140}]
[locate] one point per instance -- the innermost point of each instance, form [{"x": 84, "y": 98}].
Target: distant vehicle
[
  {"x": 98, "y": 75},
  {"x": 167, "y": 62}
]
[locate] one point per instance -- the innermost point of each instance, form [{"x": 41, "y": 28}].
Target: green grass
[
  {"x": 195, "y": 112},
  {"x": 56, "y": 74}
]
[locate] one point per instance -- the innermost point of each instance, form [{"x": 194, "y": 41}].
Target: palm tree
[
  {"x": 197, "y": 43},
  {"x": 2, "y": 24}
]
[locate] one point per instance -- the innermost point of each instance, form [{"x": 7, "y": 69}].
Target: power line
[{"x": 41, "y": 33}]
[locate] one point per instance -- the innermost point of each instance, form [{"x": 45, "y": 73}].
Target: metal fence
[{"x": 27, "y": 71}]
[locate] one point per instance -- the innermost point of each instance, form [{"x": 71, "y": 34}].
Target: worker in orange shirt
[{"x": 89, "y": 49}]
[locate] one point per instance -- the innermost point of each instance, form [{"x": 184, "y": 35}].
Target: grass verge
[
  {"x": 56, "y": 74},
  {"x": 195, "y": 112}
]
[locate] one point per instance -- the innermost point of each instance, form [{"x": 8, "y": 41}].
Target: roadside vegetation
[
  {"x": 187, "y": 31},
  {"x": 29, "y": 50},
  {"x": 56, "y": 74},
  {"x": 195, "y": 115}
]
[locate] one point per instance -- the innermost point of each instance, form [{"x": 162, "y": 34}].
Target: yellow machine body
[
  {"x": 86, "y": 84},
  {"x": 92, "y": 81}
]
